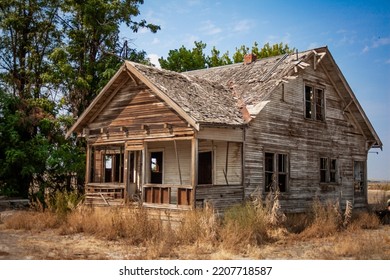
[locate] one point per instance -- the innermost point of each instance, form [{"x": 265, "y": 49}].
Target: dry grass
[
  {"x": 31, "y": 220},
  {"x": 244, "y": 231}
]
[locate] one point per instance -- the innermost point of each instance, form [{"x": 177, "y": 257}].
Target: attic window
[{"x": 314, "y": 103}]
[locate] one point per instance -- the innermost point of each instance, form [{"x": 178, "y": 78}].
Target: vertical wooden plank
[
  {"x": 125, "y": 172},
  {"x": 88, "y": 165},
  {"x": 144, "y": 157}
]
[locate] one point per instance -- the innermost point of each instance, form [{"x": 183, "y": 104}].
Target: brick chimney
[{"x": 249, "y": 58}]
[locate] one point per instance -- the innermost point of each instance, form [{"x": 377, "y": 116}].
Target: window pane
[
  {"x": 269, "y": 171},
  {"x": 269, "y": 162},
  {"x": 319, "y": 104},
  {"x": 323, "y": 169},
  {"x": 282, "y": 182},
  {"x": 282, "y": 160},
  {"x": 308, "y": 101}
]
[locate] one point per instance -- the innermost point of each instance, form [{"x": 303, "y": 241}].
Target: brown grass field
[{"x": 245, "y": 232}]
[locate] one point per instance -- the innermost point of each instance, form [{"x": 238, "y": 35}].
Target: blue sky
[{"x": 356, "y": 32}]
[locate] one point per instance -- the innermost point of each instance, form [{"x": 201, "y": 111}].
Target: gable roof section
[
  {"x": 204, "y": 101},
  {"x": 221, "y": 95},
  {"x": 256, "y": 81},
  {"x": 196, "y": 100}
]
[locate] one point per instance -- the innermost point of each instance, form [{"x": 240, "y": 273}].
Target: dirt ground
[{"x": 50, "y": 244}]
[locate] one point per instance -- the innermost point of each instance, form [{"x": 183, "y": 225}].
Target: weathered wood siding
[
  {"x": 136, "y": 112},
  {"x": 219, "y": 197},
  {"x": 234, "y": 161},
  {"x": 171, "y": 174},
  {"x": 282, "y": 128}
]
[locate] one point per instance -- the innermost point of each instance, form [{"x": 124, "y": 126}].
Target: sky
[{"x": 357, "y": 34}]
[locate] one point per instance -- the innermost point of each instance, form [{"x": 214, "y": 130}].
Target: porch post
[
  {"x": 125, "y": 173},
  {"x": 88, "y": 165},
  {"x": 194, "y": 169}
]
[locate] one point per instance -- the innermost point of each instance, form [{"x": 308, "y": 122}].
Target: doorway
[
  {"x": 205, "y": 168},
  {"x": 134, "y": 171}
]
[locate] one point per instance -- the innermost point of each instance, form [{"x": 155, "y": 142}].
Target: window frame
[
  {"x": 327, "y": 170},
  {"x": 314, "y": 104},
  {"x": 149, "y": 171},
  {"x": 276, "y": 173},
  {"x": 362, "y": 187}
]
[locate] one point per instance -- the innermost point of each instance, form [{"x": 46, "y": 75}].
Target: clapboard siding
[
  {"x": 171, "y": 165},
  {"x": 132, "y": 110},
  {"x": 281, "y": 127}
]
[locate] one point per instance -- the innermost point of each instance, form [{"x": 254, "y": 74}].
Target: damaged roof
[
  {"x": 204, "y": 101},
  {"x": 229, "y": 95}
]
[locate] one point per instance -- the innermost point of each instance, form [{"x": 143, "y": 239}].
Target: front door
[{"x": 134, "y": 167}]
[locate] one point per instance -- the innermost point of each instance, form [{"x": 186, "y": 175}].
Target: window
[
  {"x": 359, "y": 176},
  {"x": 314, "y": 103},
  {"x": 156, "y": 167},
  {"x": 113, "y": 166},
  {"x": 328, "y": 170},
  {"x": 275, "y": 171}
]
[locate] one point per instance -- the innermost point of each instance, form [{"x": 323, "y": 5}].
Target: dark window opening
[
  {"x": 328, "y": 170},
  {"x": 156, "y": 167},
  {"x": 314, "y": 103},
  {"x": 276, "y": 172},
  {"x": 113, "y": 168},
  {"x": 359, "y": 177},
  {"x": 205, "y": 168}
]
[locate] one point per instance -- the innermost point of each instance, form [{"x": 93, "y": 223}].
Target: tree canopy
[
  {"x": 54, "y": 58},
  {"x": 183, "y": 59}
]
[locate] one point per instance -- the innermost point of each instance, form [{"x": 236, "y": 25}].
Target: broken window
[
  {"x": 113, "y": 168},
  {"x": 359, "y": 176},
  {"x": 275, "y": 171},
  {"x": 156, "y": 167},
  {"x": 314, "y": 103},
  {"x": 328, "y": 170}
]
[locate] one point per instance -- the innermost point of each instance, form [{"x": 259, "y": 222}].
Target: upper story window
[{"x": 314, "y": 103}]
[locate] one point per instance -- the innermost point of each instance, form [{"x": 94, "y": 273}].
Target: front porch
[{"x": 177, "y": 173}]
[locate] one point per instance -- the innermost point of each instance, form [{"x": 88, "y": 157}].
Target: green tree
[
  {"x": 216, "y": 60},
  {"x": 183, "y": 59},
  {"x": 266, "y": 51},
  {"x": 54, "y": 56},
  {"x": 93, "y": 49}
]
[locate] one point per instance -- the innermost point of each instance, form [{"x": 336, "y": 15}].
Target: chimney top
[{"x": 249, "y": 58}]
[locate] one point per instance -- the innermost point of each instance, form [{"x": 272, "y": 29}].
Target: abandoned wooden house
[{"x": 180, "y": 140}]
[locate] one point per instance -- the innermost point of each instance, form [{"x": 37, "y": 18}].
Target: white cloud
[
  {"x": 154, "y": 59},
  {"x": 210, "y": 28},
  {"x": 376, "y": 43},
  {"x": 381, "y": 42},
  {"x": 188, "y": 42},
  {"x": 365, "y": 49},
  {"x": 243, "y": 25}
]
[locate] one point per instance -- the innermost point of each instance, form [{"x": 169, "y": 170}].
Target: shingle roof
[{"x": 205, "y": 101}]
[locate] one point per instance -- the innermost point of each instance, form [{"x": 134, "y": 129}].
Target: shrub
[{"x": 244, "y": 225}]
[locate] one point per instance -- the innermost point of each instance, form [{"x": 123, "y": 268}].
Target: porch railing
[{"x": 167, "y": 194}]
